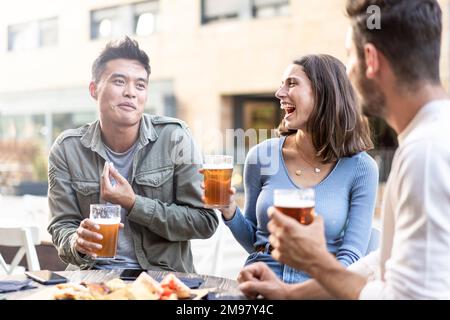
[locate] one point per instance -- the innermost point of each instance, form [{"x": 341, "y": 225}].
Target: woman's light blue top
[{"x": 345, "y": 199}]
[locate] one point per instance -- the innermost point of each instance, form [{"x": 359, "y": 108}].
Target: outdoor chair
[{"x": 25, "y": 238}]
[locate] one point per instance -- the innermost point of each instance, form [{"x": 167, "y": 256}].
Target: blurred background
[{"x": 216, "y": 64}]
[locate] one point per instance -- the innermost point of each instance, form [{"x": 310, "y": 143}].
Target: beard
[{"x": 372, "y": 98}]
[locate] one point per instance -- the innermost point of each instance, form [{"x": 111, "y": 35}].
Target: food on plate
[
  {"x": 115, "y": 284},
  {"x": 143, "y": 288},
  {"x": 72, "y": 291},
  {"x": 172, "y": 285}
]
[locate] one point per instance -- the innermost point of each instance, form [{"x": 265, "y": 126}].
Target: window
[
  {"x": 105, "y": 23},
  {"x": 216, "y": 10},
  {"x": 34, "y": 34},
  {"x": 270, "y": 8},
  {"x": 219, "y": 9},
  {"x": 145, "y": 18},
  {"x": 22, "y": 126},
  {"x": 48, "y": 32},
  {"x": 22, "y": 36},
  {"x": 63, "y": 121},
  {"x": 138, "y": 18}
]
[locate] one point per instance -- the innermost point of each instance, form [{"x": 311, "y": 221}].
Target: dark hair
[
  {"x": 336, "y": 124},
  {"x": 409, "y": 36},
  {"x": 122, "y": 49}
]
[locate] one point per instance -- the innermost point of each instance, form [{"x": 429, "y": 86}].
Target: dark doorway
[
  {"x": 385, "y": 141},
  {"x": 257, "y": 112}
]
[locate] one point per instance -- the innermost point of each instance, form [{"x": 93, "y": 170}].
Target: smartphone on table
[
  {"x": 131, "y": 274},
  {"x": 45, "y": 277}
]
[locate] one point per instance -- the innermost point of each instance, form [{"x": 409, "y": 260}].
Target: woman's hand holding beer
[
  {"x": 228, "y": 211},
  {"x": 87, "y": 238},
  {"x": 297, "y": 245}
]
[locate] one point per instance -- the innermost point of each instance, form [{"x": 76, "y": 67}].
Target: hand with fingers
[
  {"x": 121, "y": 192},
  {"x": 88, "y": 239},
  {"x": 257, "y": 279},
  {"x": 227, "y": 212},
  {"x": 297, "y": 245}
]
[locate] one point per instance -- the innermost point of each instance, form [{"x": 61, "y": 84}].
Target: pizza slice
[
  {"x": 171, "y": 284},
  {"x": 72, "y": 291},
  {"x": 145, "y": 288}
]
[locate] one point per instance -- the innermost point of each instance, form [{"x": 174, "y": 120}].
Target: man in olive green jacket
[{"x": 156, "y": 181}]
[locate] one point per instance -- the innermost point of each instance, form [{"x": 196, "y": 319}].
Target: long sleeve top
[
  {"x": 413, "y": 261},
  {"x": 345, "y": 199},
  {"x": 168, "y": 211}
]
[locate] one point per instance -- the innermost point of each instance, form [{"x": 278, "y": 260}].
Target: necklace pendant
[
  {"x": 298, "y": 172},
  {"x": 316, "y": 170}
]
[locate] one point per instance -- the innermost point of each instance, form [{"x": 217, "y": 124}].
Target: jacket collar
[{"x": 92, "y": 138}]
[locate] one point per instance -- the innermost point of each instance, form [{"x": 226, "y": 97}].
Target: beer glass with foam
[
  {"x": 217, "y": 172},
  {"x": 296, "y": 203},
  {"x": 107, "y": 216}
]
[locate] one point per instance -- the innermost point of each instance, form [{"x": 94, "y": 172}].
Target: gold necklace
[{"x": 300, "y": 172}]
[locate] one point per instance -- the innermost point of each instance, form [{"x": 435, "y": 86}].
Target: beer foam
[
  {"x": 219, "y": 166},
  {"x": 106, "y": 221},
  {"x": 287, "y": 201}
]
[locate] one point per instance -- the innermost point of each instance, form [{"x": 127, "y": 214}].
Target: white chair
[
  {"x": 374, "y": 241},
  {"x": 207, "y": 253},
  {"x": 25, "y": 238},
  {"x": 220, "y": 256}
]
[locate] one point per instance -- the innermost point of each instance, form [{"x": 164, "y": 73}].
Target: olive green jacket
[{"x": 168, "y": 211}]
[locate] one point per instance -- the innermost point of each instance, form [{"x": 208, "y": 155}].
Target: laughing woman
[{"x": 322, "y": 144}]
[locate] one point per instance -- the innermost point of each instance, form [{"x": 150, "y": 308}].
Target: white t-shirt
[{"x": 413, "y": 261}]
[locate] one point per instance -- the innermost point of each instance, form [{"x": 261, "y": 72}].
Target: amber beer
[
  {"x": 110, "y": 232},
  {"x": 108, "y": 218},
  {"x": 298, "y": 204},
  {"x": 217, "y": 172}
]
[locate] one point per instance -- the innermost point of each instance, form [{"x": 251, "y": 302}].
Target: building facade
[{"x": 215, "y": 64}]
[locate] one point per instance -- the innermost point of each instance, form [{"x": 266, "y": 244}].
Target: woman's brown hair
[{"x": 337, "y": 126}]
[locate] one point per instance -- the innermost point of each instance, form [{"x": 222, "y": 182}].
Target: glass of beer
[
  {"x": 217, "y": 172},
  {"x": 107, "y": 216},
  {"x": 296, "y": 203}
]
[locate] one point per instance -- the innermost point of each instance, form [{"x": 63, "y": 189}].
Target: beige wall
[{"x": 205, "y": 62}]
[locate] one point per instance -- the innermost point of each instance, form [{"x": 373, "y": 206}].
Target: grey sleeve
[{"x": 65, "y": 213}]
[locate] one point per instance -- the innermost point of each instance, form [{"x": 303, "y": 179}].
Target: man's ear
[
  {"x": 372, "y": 57},
  {"x": 93, "y": 90}
]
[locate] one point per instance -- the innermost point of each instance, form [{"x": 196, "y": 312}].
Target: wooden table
[{"x": 225, "y": 287}]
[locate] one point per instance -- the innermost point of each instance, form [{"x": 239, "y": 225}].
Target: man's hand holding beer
[
  {"x": 299, "y": 246},
  {"x": 87, "y": 235},
  {"x": 87, "y": 238}
]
